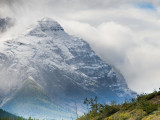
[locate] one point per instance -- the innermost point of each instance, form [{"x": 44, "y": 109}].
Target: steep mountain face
[{"x": 64, "y": 67}]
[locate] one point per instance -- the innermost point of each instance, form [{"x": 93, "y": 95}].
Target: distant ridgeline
[{"x": 8, "y": 116}]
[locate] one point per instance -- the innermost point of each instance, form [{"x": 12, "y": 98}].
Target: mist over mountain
[
  {"x": 6, "y": 23},
  {"x": 47, "y": 69}
]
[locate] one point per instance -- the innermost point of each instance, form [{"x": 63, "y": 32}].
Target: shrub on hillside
[
  {"x": 128, "y": 106},
  {"x": 148, "y": 96},
  {"x": 109, "y": 110},
  {"x": 147, "y": 106}
]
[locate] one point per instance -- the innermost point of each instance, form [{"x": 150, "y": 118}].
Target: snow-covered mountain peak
[
  {"x": 63, "y": 66},
  {"x": 46, "y": 19},
  {"x": 48, "y": 24},
  {"x": 45, "y": 27}
]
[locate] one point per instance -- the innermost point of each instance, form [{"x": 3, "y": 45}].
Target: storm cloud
[{"x": 124, "y": 33}]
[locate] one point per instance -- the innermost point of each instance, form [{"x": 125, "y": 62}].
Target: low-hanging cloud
[
  {"x": 127, "y": 39},
  {"x": 124, "y": 33}
]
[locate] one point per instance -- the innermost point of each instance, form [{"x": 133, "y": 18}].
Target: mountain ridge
[{"x": 64, "y": 66}]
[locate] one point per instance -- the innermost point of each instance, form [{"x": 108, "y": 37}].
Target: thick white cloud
[
  {"x": 121, "y": 32},
  {"x": 126, "y": 38}
]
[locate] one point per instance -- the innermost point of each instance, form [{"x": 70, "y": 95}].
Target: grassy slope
[{"x": 145, "y": 107}]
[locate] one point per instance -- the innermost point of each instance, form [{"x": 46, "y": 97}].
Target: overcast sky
[{"x": 125, "y": 33}]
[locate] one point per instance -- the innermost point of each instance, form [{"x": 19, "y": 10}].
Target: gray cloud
[
  {"x": 9, "y": 2},
  {"x": 123, "y": 34}
]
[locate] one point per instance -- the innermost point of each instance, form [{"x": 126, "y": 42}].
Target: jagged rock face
[
  {"x": 65, "y": 67},
  {"x": 6, "y": 23}
]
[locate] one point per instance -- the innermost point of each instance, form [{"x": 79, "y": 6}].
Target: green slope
[{"x": 145, "y": 107}]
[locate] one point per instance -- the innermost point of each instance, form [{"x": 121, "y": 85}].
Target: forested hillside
[{"x": 145, "y": 107}]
